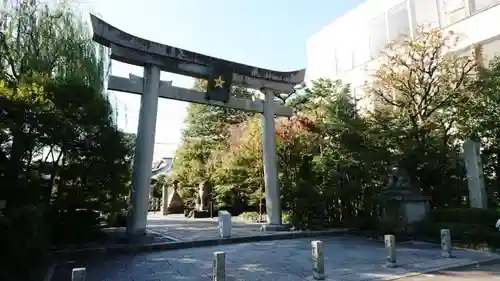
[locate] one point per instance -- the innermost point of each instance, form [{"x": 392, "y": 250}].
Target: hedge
[
  {"x": 469, "y": 227},
  {"x": 466, "y": 215}
]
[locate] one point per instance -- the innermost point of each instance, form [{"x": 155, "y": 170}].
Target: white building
[{"x": 347, "y": 49}]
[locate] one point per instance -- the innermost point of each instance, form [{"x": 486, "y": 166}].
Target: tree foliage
[
  {"x": 64, "y": 165},
  {"x": 482, "y": 121},
  {"x": 207, "y": 130},
  {"x": 421, "y": 92},
  {"x": 423, "y": 100}
]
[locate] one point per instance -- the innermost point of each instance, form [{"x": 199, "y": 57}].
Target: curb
[
  {"x": 122, "y": 249},
  {"x": 489, "y": 261},
  {"x": 463, "y": 265}
]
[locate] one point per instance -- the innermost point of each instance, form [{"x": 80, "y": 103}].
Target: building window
[
  {"x": 398, "y": 21},
  {"x": 377, "y": 29},
  {"x": 479, "y": 5},
  {"x": 425, "y": 14},
  {"x": 453, "y": 11}
]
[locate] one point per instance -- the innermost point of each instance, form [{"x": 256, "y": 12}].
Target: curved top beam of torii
[{"x": 138, "y": 51}]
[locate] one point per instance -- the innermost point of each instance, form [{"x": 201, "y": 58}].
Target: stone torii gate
[{"x": 221, "y": 74}]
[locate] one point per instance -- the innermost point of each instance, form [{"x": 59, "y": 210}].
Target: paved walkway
[
  {"x": 176, "y": 231},
  {"x": 179, "y": 228},
  {"x": 346, "y": 258}
]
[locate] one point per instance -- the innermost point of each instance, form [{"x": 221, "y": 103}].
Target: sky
[{"x": 265, "y": 33}]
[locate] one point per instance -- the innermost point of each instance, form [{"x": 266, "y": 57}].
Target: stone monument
[
  {"x": 172, "y": 202},
  {"x": 475, "y": 176},
  {"x": 402, "y": 202}
]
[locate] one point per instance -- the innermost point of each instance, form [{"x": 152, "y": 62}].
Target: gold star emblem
[{"x": 219, "y": 82}]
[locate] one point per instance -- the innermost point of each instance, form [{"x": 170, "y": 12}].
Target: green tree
[
  {"x": 63, "y": 161},
  {"x": 420, "y": 94},
  {"x": 207, "y": 130},
  {"x": 159, "y": 181},
  {"x": 335, "y": 169},
  {"x": 238, "y": 171},
  {"x": 482, "y": 121}
]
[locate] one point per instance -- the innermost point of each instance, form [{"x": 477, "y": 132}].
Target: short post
[
  {"x": 318, "y": 259},
  {"x": 211, "y": 204},
  {"x": 164, "y": 200},
  {"x": 390, "y": 246},
  {"x": 445, "y": 243},
  {"x": 219, "y": 268},
  {"x": 78, "y": 274},
  {"x": 225, "y": 224}
]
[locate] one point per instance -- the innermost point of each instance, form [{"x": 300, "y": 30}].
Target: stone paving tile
[{"x": 346, "y": 258}]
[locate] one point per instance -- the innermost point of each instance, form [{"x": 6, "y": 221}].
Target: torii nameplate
[{"x": 138, "y": 51}]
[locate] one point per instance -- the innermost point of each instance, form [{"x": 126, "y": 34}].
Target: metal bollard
[
  {"x": 390, "y": 246},
  {"x": 219, "y": 268},
  {"x": 318, "y": 259},
  {"x": 78, "y": 274},
  {"x": 446, "y": 243}
]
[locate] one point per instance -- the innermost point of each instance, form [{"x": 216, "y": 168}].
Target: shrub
[
  {"x": 117, "y": 219},
  {"x": 24, "y": 235},
  {"x": 462, "y": 234},
  {"x": 250, "y": 216},
  {"x": 75, "y": 226}
]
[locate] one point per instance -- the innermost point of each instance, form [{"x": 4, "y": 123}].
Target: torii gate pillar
[
  {"x": 273, "y": 204},
  {"x": 144, "y": 149}
]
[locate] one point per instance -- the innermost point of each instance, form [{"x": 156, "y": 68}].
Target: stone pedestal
[
  {"x": 475, "y": 176},
  {"x": 404, "y": 211},
  {"x": 197, "y": 214},
  {"x": 415, "y": 209},
  {"x": 274, "y": 227},
  {"x": 225, "y": 224},
  {"x": 403, "y": 207}
]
